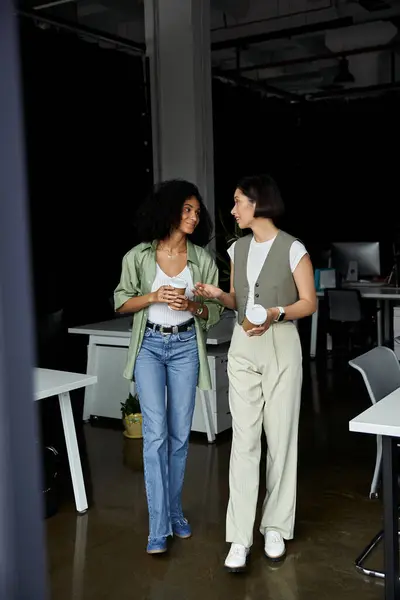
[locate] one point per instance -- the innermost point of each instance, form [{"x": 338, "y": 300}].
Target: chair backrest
[
  {"x": 344, "y": 305},
  {"x": 380, "y": 370}
]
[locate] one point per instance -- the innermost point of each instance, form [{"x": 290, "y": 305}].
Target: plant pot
[{"x": 133, "y": 426}]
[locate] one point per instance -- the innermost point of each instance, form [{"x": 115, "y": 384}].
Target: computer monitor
[{"x": 354, "y": 260}]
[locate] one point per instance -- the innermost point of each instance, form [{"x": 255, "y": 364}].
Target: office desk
[
  {"x": 383, "y": 297},
  {"x": 49, "y": 383},
  {"x": 107, "y": 352},
  {"x": 383, "y": 418}
]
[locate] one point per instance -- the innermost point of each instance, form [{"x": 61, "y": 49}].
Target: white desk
[
  {"x": 59, "y": 383},
  {"x": 120, "y": 328},
  {"x": 382, "y": 296},
  {"x": 107, "y": 352},
  {"x": 383, "y": 419}
]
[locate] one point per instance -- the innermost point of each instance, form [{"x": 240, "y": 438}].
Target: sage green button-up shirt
[{"x": 137, "y": 277}]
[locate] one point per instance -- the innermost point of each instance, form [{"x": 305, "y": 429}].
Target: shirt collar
[{"x": 191, "y": 252}]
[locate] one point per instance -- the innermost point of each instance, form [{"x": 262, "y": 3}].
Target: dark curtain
[
  {"x": 333, "y": 161},
  {"x": 89, "y": 161}
]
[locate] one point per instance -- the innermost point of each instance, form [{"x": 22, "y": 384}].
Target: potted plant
[{"x": 132, "y": 417}]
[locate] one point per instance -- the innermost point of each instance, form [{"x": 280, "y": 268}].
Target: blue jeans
[{"x": 166, "y": 360}]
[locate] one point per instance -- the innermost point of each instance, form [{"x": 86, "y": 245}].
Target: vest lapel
[
  {"x": 270, "y": 258},
  {"x": 242, "y": 266}
]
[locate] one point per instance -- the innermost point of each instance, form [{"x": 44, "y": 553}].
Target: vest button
[
  {"x": 257, "y": 284},
  {"x": 257, "y": 295}
]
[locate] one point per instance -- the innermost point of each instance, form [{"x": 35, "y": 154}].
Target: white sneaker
[
  {"x": 237, "y": 558},
  {"x": 274, "y": 545}
]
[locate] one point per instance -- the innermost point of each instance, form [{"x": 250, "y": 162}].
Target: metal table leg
[
  {"x": 314, "y": 332},
  {"x": 390, "y": 513},
  {"x": 74, "y": 459},
  {"x": 379, "y": 319},
  {"x": 207, "y": 415}
]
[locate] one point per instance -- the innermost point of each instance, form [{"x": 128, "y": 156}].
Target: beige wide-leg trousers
[{"x": 265, "y": 379}]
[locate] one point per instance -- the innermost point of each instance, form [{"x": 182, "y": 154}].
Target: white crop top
[{"x": 160, "y": 313}]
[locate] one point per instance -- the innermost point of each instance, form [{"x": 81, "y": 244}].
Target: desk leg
[
  {"x": 208, "y": 418},
  {"x": 73, "y": 452},
  {"x": 391, "y": 538},
  {"x": 78, "y": 574},
  {"x": 314, "y": 332},
  {"x": 90, "y": 390}
]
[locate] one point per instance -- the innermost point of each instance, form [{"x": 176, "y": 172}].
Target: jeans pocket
[
  {"x": 147, "y": 332},
  {"x": 187, "y": 336}
]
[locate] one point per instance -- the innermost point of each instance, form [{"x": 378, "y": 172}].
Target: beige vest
[{"x": 275, "y": 285}]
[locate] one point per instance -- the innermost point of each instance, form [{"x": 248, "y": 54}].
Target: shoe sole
[
  {"x": 236, "y": 569},
  {"x": 276, "y": 558},
  {"x": 183, "y": 537},
  {"x": 156, "y": 551}
]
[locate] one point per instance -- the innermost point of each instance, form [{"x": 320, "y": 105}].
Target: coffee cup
[
  {"x": 179, "y": 286},
  {"x": 255, "y": 316}
]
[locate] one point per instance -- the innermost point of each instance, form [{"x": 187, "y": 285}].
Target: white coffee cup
[
  {"x": 179, "y": 285},
  {"x": 256, "y": 315}
]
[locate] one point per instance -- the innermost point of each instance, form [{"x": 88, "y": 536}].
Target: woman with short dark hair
[
  {"x": 168, "y": 342},
  {"x": 272, "y": 285}
]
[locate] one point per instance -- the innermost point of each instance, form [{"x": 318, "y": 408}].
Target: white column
[{"x": 179, "y": 49}]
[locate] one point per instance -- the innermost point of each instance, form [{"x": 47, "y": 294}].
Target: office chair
[
  {"x": 346, "y": 318},
  {"x": 380, "y": 370}
]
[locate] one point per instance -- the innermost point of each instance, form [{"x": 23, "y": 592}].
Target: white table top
[
  {"x": 120, "y": 327},
  {"x": 51, "y": 383},
  {"x": 382, "y": 418},
  {"x": 373, "y": 292}
]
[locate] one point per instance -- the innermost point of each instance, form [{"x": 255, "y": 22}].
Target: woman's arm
[
  {"x": 183, "y": 303},
  {"x": 165, "y": 294},
  {"x": 227, "y": 299},
  {"x": 307, "y": 303},
  {"x": 127, "y": 297},
  {"x": 135, "y": 304},
  {"x": 214, "y": 309}
]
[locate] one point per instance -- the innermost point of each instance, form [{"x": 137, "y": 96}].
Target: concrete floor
[{"x": 101, "y": 555}]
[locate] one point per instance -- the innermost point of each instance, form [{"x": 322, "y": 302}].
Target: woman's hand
[
  {"x": 166, "y": 294},
  {"x": 206, "y": 290},
  {"x": 180, "y": 303},
  {"x": 271, "y": 315}
]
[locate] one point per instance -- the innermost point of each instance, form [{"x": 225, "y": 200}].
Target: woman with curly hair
[{"x": 168, "y": 342}]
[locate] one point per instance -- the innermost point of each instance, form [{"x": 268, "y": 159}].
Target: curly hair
[{"x": 161, "y": 212}]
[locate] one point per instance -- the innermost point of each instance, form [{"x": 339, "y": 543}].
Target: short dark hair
[
  {"x": 162, "y": 212},
  {"x": 263, "y": 191}
]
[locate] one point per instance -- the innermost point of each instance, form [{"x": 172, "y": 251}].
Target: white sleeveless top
[{"x": 160, "y": 313}]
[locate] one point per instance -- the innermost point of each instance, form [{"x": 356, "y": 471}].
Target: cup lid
[
  {"x": 256, "y": 314},
  {"x": 178, "y": 283}
]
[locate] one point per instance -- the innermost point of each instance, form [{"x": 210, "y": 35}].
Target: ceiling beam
[
  {"x": 370, "y": 89},
  {"x": 282, "y": 34},
  {"x": 316, "y": 57},
  {"x": 83, "y": 30},
  {"x": 51, "y": 4},
  {"x": 260, "y": 86}
]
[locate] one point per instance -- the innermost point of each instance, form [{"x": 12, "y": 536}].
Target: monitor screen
[{"x": 365, "y": 254}]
